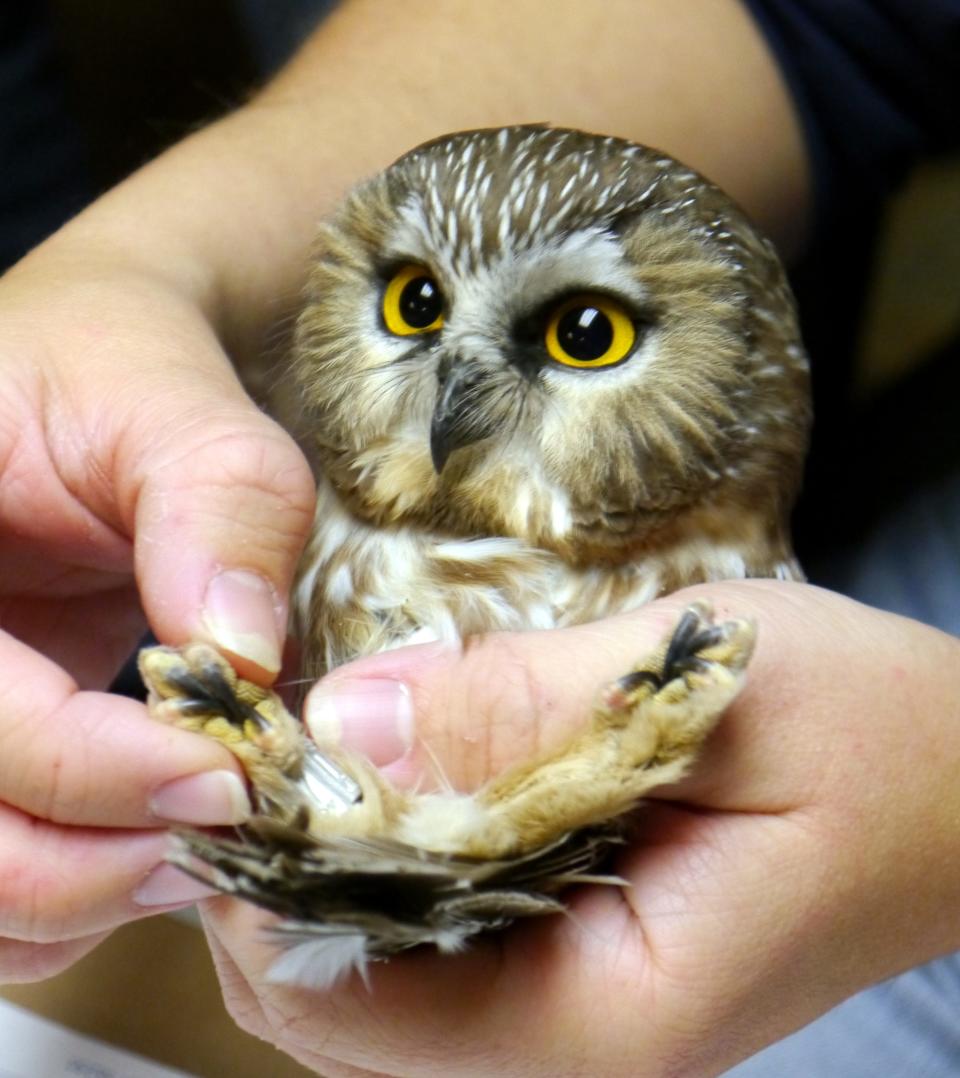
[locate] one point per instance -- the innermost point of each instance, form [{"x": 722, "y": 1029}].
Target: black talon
[
  {"x": 636, "y": 678},
  {"x": 212, "y": 692},
  {"x": 691, "y": 636}
]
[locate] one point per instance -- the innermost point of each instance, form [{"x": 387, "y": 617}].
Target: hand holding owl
[
  {"x": 786, "y": 872},
  {"x": 112, "y": 439}
]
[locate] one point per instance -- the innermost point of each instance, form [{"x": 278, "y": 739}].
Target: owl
[{"x": 543, "y": 377}]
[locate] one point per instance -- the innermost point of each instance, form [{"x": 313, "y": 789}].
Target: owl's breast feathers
[{"x": 364, "y": 588}]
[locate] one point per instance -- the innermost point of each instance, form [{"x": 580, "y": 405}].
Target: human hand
[
  {"x": 137, "y": 483},
  {"x": 810, "y": 853}
]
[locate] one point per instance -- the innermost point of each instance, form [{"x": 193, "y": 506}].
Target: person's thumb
[
  {"x": 434, "y": 714},
  {"x": 223, "y": 502}
]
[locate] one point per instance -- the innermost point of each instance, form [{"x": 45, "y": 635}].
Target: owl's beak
[{"x": 459, "y": 416}]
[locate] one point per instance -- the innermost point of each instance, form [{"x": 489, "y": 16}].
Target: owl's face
[{"x": 556, "y": 336}]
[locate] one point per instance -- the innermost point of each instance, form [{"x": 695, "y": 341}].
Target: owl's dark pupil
[
  {"x": 421, "y": 303},
  {"x": 585, "y": 333}
]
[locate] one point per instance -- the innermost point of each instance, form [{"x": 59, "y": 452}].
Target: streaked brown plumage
[
  {"x": 596, "y": 489},
  {"x": 544, "y": 377}
]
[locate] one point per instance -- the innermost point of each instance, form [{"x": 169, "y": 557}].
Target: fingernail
[
  {"x": 168, "y": 886},
  {"x": 240, "y": 613},
  {"x": 371, "y": 716},
  {"x": 207, "y": 799}
]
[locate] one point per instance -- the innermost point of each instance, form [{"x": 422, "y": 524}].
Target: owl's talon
[
  {"x": 692, "y": 635},
  {"x": 207, "y": 691},
  {"x": 697, "y": 642},
  {"x": 196, "y": 689}
]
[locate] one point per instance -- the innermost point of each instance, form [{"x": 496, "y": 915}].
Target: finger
[
  {"x": 422, "y": 1014},
  {"x": 216, "y": 496},
  {"x": 434, "y": 713},
  {"x": 66, "y": 883},
  {"x": 244, "y": 1007},
  {"x": 527, "y": 1002},
  {"x": 99, "y": 760},
  {"x": 90, "y": 636},
  {"x": 21, "y": 963},
  {"x": 468, "y": 712},
  {"x": 738, "y": 910},
  {"x": 224, "y": 505},
  {"x": 220, "y": 524}
]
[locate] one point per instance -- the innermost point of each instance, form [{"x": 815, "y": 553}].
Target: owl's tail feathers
[{"x": 347, "y": 901}]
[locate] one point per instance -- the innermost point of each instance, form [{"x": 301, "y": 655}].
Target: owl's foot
[
  {"x": 196, "y": 689},
  {"x": 645, "y": 731},
  {"x": 681, "y": 689}
]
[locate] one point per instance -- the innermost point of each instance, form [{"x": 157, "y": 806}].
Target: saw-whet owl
[{"x": 543, "y": 377}]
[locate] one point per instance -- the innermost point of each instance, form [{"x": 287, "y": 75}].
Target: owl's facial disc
[{"x": 459, "y": 418}]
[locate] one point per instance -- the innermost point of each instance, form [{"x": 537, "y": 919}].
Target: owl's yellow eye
[
  {"x": 590, "y": 331},
  {"x": 413, "y": 302}
]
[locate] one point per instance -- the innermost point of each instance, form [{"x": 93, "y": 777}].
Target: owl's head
[{"x": 557, "y": 336}]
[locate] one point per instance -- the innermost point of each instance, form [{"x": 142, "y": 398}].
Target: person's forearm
[{"x": 230, "y": 212}]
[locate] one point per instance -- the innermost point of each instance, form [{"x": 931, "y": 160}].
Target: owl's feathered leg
[{"x": 645, "y": 731}]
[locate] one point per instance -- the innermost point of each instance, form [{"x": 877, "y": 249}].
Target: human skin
[
  {"x": 135, "y": 471},
  {"x": 809, "y": 854}
]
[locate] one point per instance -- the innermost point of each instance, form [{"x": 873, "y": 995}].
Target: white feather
[{"x": 320, "y": 962}]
